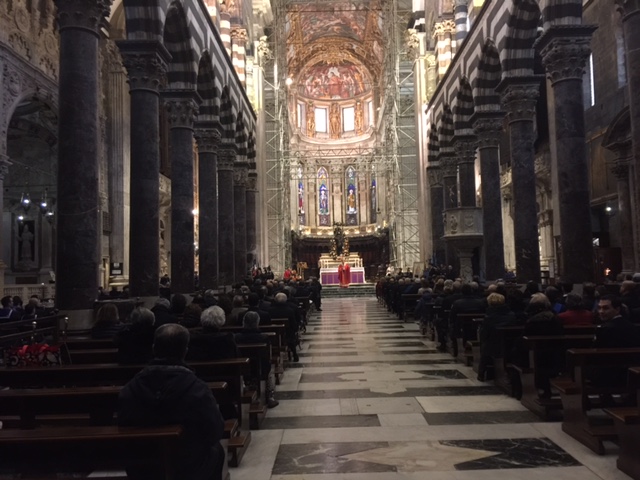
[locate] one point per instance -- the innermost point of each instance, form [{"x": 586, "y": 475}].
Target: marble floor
[{"x": 372, "y": 400}]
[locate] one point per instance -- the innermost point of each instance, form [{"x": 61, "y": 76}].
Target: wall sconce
[{"x": 25, "y": 202}]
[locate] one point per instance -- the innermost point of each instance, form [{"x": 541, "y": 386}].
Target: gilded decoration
[{"x": 336, "y": 31}]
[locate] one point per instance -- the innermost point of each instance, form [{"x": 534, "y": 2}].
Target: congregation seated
[
  {"x": 162, "y": 312},
  {"x": 167, "y": 392},
  {"x": 191, "y": 316},
  {"x": 107, "y": 322},
  {"x": 252, "y": 334},
  {"x": 575, "y": 314},
  {"x": 208, "y": 342},
  {"x": 135, "y": 341}
]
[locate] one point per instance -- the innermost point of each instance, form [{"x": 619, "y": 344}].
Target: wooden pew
[
  {"x": 82, "y": 406},
  {"x": 507, "y": 337},
  {"x": 408, "y": 302},
  {"x": 42, "y": 451},
  {"x": 258, "y": 353},
  {"x": 230, "y": 371},
  {"x": 86, "y": 343},
  {"x": 542, "y": 350},
  {"x": 35, "y": 407},
  {"x": 579, "y": 394},
  {"x": 627, "y": 424},
  {"x": 468, "y": 332},
  {"x": 278, "y": 345}
]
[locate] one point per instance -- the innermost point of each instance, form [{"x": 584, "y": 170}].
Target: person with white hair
[{"x": 209, "y": 342}]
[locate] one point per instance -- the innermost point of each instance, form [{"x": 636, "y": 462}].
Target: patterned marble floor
[{"x": 372, "y": 400}]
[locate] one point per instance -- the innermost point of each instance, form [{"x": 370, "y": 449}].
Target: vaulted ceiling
[{"x": 328, "y": 39}]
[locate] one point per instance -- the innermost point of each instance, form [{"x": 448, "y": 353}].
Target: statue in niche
[
  {"x": 334, "y": 121},
  {"x": 311, "y": 120},
  {"x": 25, "y": 247},
  {"x": 359, "y": 119}
]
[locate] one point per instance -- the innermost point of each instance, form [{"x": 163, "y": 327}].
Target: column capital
[
  {"x": 465, "y": 147},
  {"x": 239, "y": 34},
  {"x": 628, "y": 7},
  {"x": 208, "y": 140},
  {"x": 182, "y": 107},
  {"x": 448, "y": 166},
  {"x": 146, "y": 63},
  {"x": 82, "y": 14},
  {"x": 240, "y": 174},
  {"x": 488, "y": 127},
  {"x": 252, "y": 180},
  {"x": 565, "y": 50},
  {"x": 434, "y": 176},
  {"x": 519, "y": 97},
  {"x": 226, "y": 157},
  {"x": 5, "y": 163}
]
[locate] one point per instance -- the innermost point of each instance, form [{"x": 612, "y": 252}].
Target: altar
[{"x": 329, "y": 269}]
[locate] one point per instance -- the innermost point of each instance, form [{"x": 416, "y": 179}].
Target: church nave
[{"x": 371, "y": 399}]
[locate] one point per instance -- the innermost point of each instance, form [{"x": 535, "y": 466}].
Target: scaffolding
[
  {"x": 400, "y": 137},
  {"x": 276, "y": 135},
  {"x": 393, "y": 157}
]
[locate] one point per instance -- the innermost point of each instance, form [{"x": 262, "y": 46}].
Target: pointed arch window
[
  {"x": 323, "y": 196},
  {"x": 301, "y": 206}
]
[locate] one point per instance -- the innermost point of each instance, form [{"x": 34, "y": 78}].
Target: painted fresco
[
  {"x": 333, "y": 81},
  {"x": 337, "y": 20}
]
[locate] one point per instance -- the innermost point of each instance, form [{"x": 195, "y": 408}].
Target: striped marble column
[
  {"x": 238, "y": 53},
  {"x": 225, "y": 31},
  {"x": 461, "y": 13}
]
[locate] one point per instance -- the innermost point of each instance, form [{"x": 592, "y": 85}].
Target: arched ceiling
[{"x": 334, "y": 38}]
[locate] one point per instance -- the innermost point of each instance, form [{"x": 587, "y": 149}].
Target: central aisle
[{"x": 372, "y": 400}]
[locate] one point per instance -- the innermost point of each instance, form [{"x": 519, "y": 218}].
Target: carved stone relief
[{"x": 29, "y": 32}]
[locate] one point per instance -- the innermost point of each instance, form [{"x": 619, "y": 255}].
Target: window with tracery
[{"x": 323, "y": 196}]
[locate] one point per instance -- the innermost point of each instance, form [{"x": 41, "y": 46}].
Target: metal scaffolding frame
[
  {"x": 277, "y": 165},
  {"x": 393, "y": 158},
  {"x": 400, "y": 136}
]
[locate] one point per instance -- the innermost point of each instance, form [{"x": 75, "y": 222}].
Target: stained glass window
[
  {"x": 352, "y": 194},
  {"x": 323, "y": 192}
]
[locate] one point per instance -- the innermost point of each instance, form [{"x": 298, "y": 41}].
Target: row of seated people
[
  {"x": 539, "y": 313},
  {"x": 13, "y": 309},
  {"x": 282, "y": 305},
  {"x": 134, "y": 339}
]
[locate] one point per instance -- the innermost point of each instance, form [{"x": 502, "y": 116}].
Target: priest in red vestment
[{"x": 344, "y": 274}]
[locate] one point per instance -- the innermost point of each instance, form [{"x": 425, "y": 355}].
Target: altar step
[{"x": 366, "y": 290}]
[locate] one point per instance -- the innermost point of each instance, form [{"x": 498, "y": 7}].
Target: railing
[
  {"x": 26, "y": 291},
  {"x": 354, "y": 260}
]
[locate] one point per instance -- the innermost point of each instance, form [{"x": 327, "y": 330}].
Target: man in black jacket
[{"x": 167, "y": 392}]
